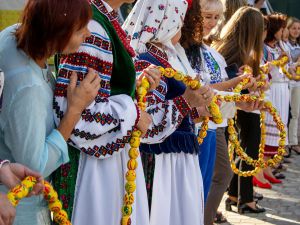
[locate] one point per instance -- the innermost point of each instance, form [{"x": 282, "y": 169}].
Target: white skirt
[
  {"x": 100, "y": 190},
  {"x": 177, "y": 197},
  {"x": 279, "y": 96}
]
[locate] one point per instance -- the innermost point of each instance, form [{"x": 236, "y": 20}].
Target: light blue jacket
[{"x": 27, "y": 131}]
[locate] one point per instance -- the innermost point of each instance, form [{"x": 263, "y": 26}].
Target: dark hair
[
  {"x": 192, "y": 30},
  {"x": 47, "y": 25},
  {"x": 276, "y": 22},
  {"x": 266, "y": 23},
  {"x": 192, "y": 33}
]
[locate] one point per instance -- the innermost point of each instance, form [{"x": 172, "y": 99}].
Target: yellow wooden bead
[
  {"x": 136, "y": 133},
  {"x": 126, "y": 210},
  {"x": 130, "y": 186},
  {"x": 128, "y": 199},
  {"x": 145, "y": 83},
  {"x": 126, "y": 220},
  {"x": 132, "y": 164},
  {"x": 55, "y": 206},
  {"x": 133, "y": 153},
  {"x": 130, "y": 175},
  {"x": 135, "y": 142},
  {"x": 141, "y": 91}
]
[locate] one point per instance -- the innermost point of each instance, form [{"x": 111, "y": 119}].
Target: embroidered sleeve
[
  {"x": 106, "y": 125},
  {"x": 166, "y": 115}
]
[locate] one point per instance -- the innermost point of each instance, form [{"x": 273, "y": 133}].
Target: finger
[
  {"x": 156, "y": 73},
  {"x": 90, "y": 76},
  {"x": 1, "y": 221},
  {"x": 29, "y": 172},
  {"x": 12, "y": 216},
  {"x": 96, "y": 81},
  {"x": 37, "y": 189},
  {"x": 151, "y": 81},
  {"x": 73, "y": 81},
  {"x": 139, "y": 79},
  {"x": 204, "y": 89},
  {"x": 6, "y": 219}
]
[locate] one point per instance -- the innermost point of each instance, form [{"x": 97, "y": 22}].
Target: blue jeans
[{"x": 207, "y": 157}]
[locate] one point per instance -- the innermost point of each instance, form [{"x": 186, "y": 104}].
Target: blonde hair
[
  {"x": 290, "y": 22},
  {"x": 231, "y": 6},
  {"x": 241, "y": 39},
  {"x": 212, "y": 6}
]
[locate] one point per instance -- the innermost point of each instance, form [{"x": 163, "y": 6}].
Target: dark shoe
[
  {"x": 285, "y": 160},
  {"x": 280, "y": 168},
  {"x": 257, "y": 196},
  {"x": 244, "y": 208},
  {"x": 279, "y": 176},
  {"x": 220, "y": 218},
  {"x": 288, "y": 152},
  {"x": 229, "y": 203},
  {"x": 296, "y": 149}
]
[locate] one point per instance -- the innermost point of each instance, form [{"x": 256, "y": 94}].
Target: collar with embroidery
[{"x": 112, "y": 16}]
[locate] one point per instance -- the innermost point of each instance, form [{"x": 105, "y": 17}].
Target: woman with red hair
[{"x": 28, "y": 134}]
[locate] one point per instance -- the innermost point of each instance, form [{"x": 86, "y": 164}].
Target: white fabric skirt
[
  {"x": 279, "y": 96},
  {"x": 177, "y": 197},
  {"x": 100, "y": 190}
]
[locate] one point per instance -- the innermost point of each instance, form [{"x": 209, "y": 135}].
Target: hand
[
  {"x": 235, "y": 81},
  {"x": 251, "y": 106},
  {"x": 200, "y": 97},
  {"x": 251, "y": 85},
  {"x": 203, "y": 111},
  {"x": 144, "y": 122},
  {"x": 11, "y": 174},
  {"x": 81, "y": 96},
  {"x": 153, "y": 76},
  {"x": 7, "y": 211}
]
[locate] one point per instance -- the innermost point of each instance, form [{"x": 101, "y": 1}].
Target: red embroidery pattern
[{"x": 113, "y": 18}]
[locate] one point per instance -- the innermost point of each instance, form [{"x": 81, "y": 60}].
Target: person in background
[
  {"x": 28, "y": 134},
  {"x": 279, "y": 90},
  {"x": 231, "y": 6},
  {"x": 293, "y": 44},
  {"x": 238, "y": 47},
  {"x": 259, "y": 4}
]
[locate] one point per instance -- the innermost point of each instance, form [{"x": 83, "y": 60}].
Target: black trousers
[{"x": 248, "y": 125}]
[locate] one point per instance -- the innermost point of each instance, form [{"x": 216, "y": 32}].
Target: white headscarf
[{"x": 154, "y": 21}]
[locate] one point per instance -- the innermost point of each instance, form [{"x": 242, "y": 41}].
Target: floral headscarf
[{"x": 154, "y": 21}]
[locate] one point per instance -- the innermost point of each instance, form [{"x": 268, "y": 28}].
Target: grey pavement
[{"x": 282, "y": 201}]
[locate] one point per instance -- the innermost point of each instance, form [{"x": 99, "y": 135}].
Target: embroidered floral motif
[
  {"x": 98, "y": 118},
  {"x": 213, "y": 67},
  {"x": 109, "y": 148}
]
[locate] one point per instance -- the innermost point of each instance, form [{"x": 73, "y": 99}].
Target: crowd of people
[{"x": 74, "y": 128}]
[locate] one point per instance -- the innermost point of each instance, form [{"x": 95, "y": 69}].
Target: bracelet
[{"x": 2, "y": 162}]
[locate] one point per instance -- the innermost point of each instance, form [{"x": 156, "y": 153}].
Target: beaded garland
[
  {"x": 132, "y": 164},
  {"x": 21, "y": 191},
  {"x": 234, "y": 144},
  {"x": 281, "y": 63}
]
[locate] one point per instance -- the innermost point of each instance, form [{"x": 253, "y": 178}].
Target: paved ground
[{"x": 282, "y": 201}]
